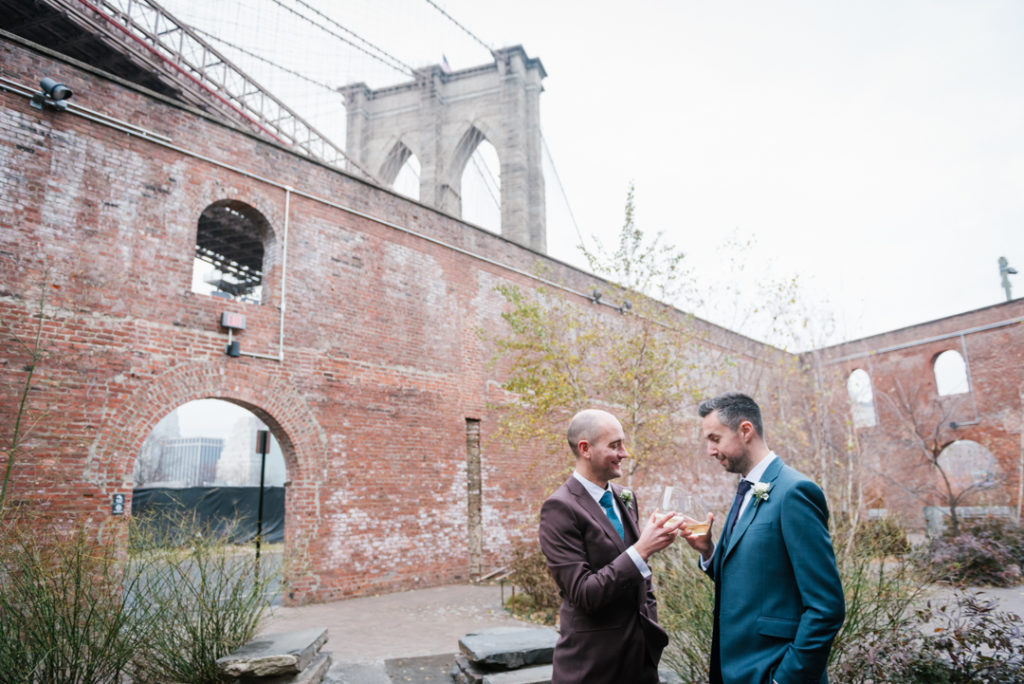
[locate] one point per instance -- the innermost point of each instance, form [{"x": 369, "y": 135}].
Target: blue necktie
[
  {"x": 609, "y": 508},
  {"x": 734, "y": 512}
]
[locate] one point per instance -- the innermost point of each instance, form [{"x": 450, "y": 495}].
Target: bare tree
[{"x": 928, "y": 428}]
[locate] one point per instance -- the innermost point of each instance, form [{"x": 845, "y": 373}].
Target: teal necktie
[{"x": 609, "y": 508}]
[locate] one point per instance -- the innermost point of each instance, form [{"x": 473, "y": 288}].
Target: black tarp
[{"x": 223, "y": 509}]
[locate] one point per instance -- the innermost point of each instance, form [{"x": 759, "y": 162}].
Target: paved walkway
[
  {"x": 411, "y": 636},
  {"x": 408, "y": 636}
]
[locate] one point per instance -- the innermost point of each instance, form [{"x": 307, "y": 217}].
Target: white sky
[{"x": 873, "y": 149}]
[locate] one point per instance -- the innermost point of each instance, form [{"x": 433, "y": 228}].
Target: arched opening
[
  {"x": 862, "y": 399},
  {"x": 970, "y": 470},
  {"x": 479, "y": 170},
  {"x": 231, "y": 241},
  {"x": 950, "y": 373},
  {"x": 203, "y": 457},
  {"x": 401, "y": 170}
]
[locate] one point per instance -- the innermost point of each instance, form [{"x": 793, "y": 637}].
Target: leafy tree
[{"x": 563, "y": 356}]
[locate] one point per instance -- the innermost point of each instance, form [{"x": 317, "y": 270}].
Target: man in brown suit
[{"x": 589, "y": 533}]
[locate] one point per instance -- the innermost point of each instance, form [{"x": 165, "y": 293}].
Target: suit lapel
[
  {"x": 752, "y": 508},
  {"x": 594, "y": 511}
]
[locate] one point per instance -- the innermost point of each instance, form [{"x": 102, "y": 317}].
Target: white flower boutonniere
[
  {"x": 626, "y": 496},
  {"x": 761, "y": 490}
]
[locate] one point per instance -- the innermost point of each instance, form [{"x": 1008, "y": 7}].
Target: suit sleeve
[
  {"x": 805, "y": 534},
  {"x": 585, "y": 578}
]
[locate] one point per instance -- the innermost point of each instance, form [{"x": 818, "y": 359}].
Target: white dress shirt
[
  {"x": 754, "y": 476},
  {"x": 596, "y": 492}
]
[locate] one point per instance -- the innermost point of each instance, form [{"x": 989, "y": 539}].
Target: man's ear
[
  {"x": 747, "y": 431},
  {"x": 583, "y": 447}
]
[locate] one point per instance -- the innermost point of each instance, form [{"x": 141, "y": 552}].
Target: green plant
[
  {"x": 538, "y": 600},
  {"x": 686, "y": 599},
  {"x": 881, "y": 595},
  {"x": 207, "y": 595},
  {"x": 65, "y": 612},
  {"x": 881, "y": 538}
]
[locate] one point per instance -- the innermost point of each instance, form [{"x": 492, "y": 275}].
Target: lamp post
[
  {"x": 1005, "y": 271},
  {"x": 262, "y": 447}
]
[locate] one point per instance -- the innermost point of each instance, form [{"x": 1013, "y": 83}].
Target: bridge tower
[{"x": 441, "y": 117}]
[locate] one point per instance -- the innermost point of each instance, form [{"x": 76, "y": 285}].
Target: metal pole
[{"x": 262, "y": 446}]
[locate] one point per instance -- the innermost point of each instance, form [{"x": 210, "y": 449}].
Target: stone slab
[
  {"x": 509, "y": 648},
  {"x": 540, "y": 674},
  {"x": 314, "y": 673},
  {"x": 273, "y": 655}
]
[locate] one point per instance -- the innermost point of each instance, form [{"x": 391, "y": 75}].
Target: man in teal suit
[{"x": 778, "y": 599}]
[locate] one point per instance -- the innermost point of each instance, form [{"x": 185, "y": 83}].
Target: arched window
[
  {"x": 950, "y": 373},
  {"x": 230, "y": 241},
  {"x": 862, "y": 399}
]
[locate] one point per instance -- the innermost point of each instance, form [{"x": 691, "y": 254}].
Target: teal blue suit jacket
[{"x": 778, "y": 599}]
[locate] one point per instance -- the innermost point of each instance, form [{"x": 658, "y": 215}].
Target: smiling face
[
  {"x": 602, "y": 451},
  {"x": 729, "y": 447}
]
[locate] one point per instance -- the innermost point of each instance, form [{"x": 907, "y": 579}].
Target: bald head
[{"x": 587, "y": 425}]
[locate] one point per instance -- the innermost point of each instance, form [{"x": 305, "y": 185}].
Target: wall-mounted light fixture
[
  {"x": 626, "y": 306},
  {"x": 595, "y": 296},
  {"x": 233, "y": 322},
  {"x": 53, "y": 95}
]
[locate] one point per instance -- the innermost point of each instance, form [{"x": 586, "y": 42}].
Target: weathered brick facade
[{"x": 382, "y": 301}]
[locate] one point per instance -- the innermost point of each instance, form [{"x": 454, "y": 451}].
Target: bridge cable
[{"x": 466, "y": 30}]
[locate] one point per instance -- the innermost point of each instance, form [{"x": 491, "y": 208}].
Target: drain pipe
[{"x": 284, "y": 280}]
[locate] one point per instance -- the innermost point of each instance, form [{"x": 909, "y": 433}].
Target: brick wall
[{"x": 382, "y": 364}]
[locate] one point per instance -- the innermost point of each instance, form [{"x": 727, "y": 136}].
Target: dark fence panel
[{"x": 224, "y": 509}]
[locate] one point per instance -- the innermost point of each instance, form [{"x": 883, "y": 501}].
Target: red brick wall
[
  {"x": 900, "y": 363},
  {"x": 382, "y": 360}
]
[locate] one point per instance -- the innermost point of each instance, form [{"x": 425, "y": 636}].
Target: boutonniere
[
  {"x": 626, "y": 496},
  {"x": 761, "y": 490}
]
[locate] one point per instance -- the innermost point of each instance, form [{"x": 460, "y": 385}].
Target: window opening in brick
[
  {"x": 474, "y": 496},
  {"x": 969, "y": 468},
  {"x": 950, "y": 373},
  {"x": 862, "y": 399},
  {"x": 229, "y": 252}
]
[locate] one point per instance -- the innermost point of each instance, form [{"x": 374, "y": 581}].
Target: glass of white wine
[{"x": 689, "y": 507}]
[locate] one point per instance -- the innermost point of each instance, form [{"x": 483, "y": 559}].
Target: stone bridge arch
[{"x": 432, "y": 117}]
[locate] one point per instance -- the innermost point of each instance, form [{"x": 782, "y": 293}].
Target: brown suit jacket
[{"x": 608, "y": 631}]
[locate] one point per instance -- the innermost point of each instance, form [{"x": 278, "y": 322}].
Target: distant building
[{"x": 189, "y": 462}]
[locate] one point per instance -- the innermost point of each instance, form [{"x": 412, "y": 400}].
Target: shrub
[
  {"x": 969, "y": 559},
  {"x": 882, "y": 537},
  {"x": 207, "y": 595},
  {"x": 960, "y": 640},
  {"x": 539, "y": 600},
  {"x": 64, "y": 612},
  {"x": 686, "y": 599}
]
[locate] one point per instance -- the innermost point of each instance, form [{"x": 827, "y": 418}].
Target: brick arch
[{"x": 267, "y": 392}]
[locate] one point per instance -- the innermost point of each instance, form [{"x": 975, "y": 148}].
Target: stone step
[
  {"x": 509, "y": 648},
  {"x": 539, "y": 674},
  {"x": 314, "y": 673},
  {"x": 274, "y": 655}
]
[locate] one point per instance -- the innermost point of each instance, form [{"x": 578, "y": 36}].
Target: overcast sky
[{"x": 872, "y": 149}]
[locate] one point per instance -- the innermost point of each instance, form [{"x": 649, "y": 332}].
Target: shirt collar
[
  {"x": 755, "y": 474},
  {"x": 592, "y": 489}
]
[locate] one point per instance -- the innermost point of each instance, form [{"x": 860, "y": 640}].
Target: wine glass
[{"x": 686, "y": 506}]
